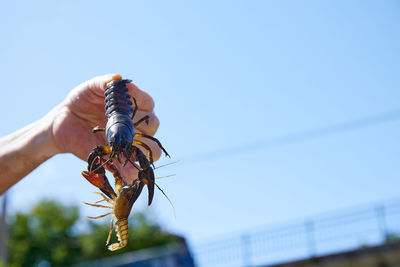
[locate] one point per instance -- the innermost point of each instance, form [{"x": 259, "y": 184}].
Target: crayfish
[{"x": 121, "y": 142}]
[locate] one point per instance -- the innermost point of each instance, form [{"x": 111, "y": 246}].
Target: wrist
[
  {"x": 33, "y": 141},
  {"x": 44, "y": 134}
]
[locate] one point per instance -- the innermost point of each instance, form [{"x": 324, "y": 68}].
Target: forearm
[{"x": 24, "y": 150}]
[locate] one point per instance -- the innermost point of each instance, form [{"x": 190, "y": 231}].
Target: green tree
[{"x": 46, "y": 233}]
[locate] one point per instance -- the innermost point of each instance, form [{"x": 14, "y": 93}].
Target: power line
[{"x": 298, "y": 137}]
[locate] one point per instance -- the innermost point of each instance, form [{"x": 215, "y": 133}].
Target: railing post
[
  {"x": 246, "y": 250},
  {"x": 310, "y": 238},
  {"x": 381, "y": 218}
]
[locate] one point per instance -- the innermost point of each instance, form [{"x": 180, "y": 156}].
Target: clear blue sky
[{"x": 224, "y": 75}]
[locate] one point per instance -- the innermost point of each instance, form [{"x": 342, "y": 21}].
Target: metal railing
[
  {"x": 319, "y": 235},
  {"x": 171, "y": 255}
]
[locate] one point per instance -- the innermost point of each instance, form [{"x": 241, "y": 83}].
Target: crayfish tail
[{"x": 122, "y": 234}]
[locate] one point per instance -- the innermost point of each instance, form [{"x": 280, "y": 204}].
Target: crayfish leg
[
  {"x": 150, "y": 153},
  {"x": 145, "y": 118},
  {"x": 105, "y": 198},
  {"x": 111, "y": 229},
  {"x": 153, "y": 139},
  {"x": 96, "y": 205},
  {"x": 101, "y": 216}
]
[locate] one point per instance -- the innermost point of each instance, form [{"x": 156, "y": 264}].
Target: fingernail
[{"x": 114, "y": 77}]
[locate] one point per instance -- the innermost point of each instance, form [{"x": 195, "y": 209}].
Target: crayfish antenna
[
  {"x": 134, "y": 165},
  {"x": 169, "y": 200},
  {"x": 155, "y": 168},
  {"x": 101, "y": 165},
  {"x": 166, "y": 176},
  {"x": 118, "y": 158}
]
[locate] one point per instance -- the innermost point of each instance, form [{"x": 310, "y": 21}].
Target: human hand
[{"x": 83, "y": 109}]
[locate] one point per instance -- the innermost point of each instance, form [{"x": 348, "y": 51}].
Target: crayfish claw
[
  {"x": 101, "y": 182},
  {"x": 136, "y": 194},
  {"x": 146, "y": 176},
  {"x": 150, "y": 190}
]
